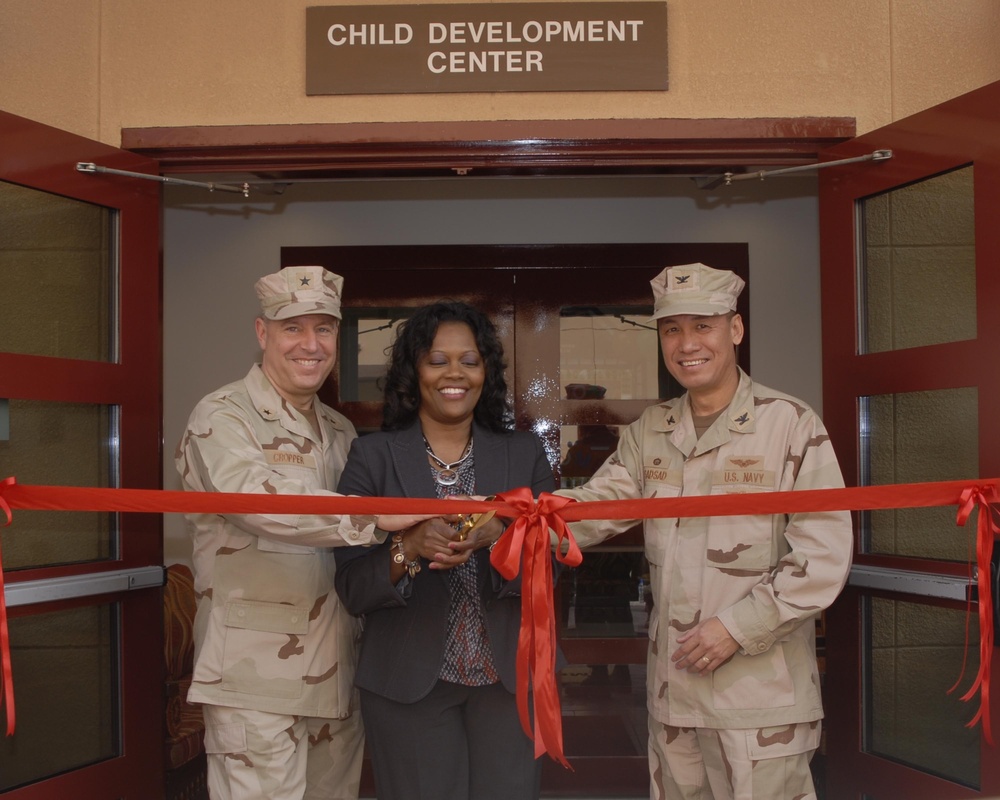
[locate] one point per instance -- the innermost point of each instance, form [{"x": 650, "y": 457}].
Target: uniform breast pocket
[
  {"x": 659, "y": 482},
  {"x": 263, "y": 652}
]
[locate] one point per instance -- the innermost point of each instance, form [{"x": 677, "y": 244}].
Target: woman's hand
[
  {"x": 399, "y": 522},
  {"x": 484, "y": 535}
]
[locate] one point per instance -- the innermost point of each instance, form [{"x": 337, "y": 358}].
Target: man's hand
[{"x": 705, "y": 647}]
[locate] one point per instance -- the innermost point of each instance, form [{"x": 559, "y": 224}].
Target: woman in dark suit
[{"x": 437, "y": 664}]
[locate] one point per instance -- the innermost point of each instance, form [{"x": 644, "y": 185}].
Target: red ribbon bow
[
  {"x": 981, "y": 497},
  {"x": 526, "y": 546},
  {"x": 8, "y": 670}
]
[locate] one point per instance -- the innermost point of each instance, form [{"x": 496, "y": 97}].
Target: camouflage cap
[
  {"x": 294, "y": 291},
  {"x": 695, "y": 289}
]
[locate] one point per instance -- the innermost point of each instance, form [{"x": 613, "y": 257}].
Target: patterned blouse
[{"x": 468, "y": 658}]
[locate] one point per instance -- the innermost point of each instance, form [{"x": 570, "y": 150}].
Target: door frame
[
  {"x": 704, "y": 147},
  {"x": 523, "y": 288}
]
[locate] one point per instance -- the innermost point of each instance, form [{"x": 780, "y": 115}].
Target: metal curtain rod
[
  {"x": 87, "y": 166},
  {"x": 877, "y": 155},
  {"x": 244, "y": 188}
]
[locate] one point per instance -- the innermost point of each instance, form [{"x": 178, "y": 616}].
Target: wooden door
[{"x": 582, "y": 361}]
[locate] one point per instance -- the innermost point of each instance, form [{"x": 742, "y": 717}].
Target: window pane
[
  {"x": 66, "y": 663},
  {"x": 916, "y": 437},
  {"x": 918, "y": 265},
  {"x": 60, "y": 444},
  {"x": 916, "y": 653},
  {"x": 57, "y": 267},
  {"x": 365, "y": 337},
  {"x": 608, "y": 353}
]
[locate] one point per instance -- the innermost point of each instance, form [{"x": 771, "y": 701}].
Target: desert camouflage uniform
[
  {"x": 765, "y": 577},
  {"x": 270, "y": 632}
]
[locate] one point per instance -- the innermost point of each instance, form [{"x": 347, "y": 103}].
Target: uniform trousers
[
  {"x": 255, "y": 755},
  {"x": 457, "y": 743},
  {"x": 718, "y": 764}
]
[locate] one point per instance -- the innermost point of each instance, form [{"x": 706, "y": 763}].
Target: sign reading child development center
[{"x": 486, "y": 47}]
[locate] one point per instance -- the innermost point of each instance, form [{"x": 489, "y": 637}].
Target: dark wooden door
[{"x": 582, "y": 361}]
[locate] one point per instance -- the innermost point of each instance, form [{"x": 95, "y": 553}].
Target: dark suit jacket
[{"x": 402, "y": 648}]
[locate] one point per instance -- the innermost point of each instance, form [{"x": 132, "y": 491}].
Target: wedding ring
[{"x": 706, "y": 659}]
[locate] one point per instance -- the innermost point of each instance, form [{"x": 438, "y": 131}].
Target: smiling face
[
  {"x": 700, "y": 353},
  {"x": 299, "y": 354},
  {"x": 451, "y": 375}
]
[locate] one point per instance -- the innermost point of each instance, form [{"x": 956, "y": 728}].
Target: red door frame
[
  {"x": 956, "y": 133},
  {"x": 45, "y": 158}
]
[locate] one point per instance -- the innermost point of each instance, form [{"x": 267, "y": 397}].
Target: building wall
[{"x": 96, "y": 66}]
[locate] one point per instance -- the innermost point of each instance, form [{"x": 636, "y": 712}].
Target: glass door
[
  {"x": 80, "y": 405},
  {"x": 582, "y": 362},
  {"x": 910, "y": 288}
]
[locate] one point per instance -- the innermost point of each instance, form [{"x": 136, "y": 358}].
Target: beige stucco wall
[{"x": 96, "y": 66}]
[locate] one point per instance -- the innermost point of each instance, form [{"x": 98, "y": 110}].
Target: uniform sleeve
[
  {"x": 815, "y": 551},
  {"x": 616, "y": 479},
  {"x": 220, "y": 453}
]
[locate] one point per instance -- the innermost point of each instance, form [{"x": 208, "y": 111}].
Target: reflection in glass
[
  {"x": 365, "y": 337},
  {"x": 67, "y": 693},
  {"x": 583, "y": 449},
  {"x": 608, "y": 353},
  {"x": 60, "y": 444},
  {"x": 606, "y": 597},
  {"x": 916, "y": 653},
  {"x": 916, "y": 437},
  {"x": 918, "y": 264},
  {"x": 57, "y": 263}
]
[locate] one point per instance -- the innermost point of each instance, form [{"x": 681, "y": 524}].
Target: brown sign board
[{"x": 486, "y": 47}]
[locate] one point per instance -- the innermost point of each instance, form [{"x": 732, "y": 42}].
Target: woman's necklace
[{"x": 447, "y": 475}]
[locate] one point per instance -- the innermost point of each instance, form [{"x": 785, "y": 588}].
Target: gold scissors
[{"x": 467, "y": 523}]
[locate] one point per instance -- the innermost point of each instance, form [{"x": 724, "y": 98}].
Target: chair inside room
[{"x": 184, "y": 726}]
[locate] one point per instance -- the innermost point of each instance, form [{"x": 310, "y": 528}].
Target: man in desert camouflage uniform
[
  {"x": 274, "y": 649},
  {"x": 732, "y": 682}
]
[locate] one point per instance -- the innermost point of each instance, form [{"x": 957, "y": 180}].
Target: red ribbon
[
  {"x": 535, "y": 644},
  {"x": 8, "y": 669},
  {"x": 981, "y": 497},
  {"x": 527, "y": 547}
]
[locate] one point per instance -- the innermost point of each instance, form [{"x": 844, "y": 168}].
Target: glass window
[
  {"x": 60, "y": 444},
  {"x": 583, "y": 448},
  {"x": 365, "y": 337},
  {"x": 608, "y": 354},
  {"x": 57, "y": 263},
  {"x": 915, "y": 437},
  {"x": 916, "y": 653},
  {"x": 66, "y": 663},
  {"x": 918, "y": 265}
]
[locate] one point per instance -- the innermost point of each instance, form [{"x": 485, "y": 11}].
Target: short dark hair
[{"x": 414, "y": 339}]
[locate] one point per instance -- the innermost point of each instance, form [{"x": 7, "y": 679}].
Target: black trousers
[{"x": 458, "y": 743}]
